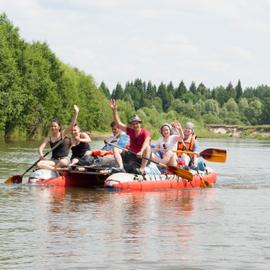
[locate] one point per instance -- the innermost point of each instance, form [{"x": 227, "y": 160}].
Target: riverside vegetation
[{"x": 35, "y": 87}]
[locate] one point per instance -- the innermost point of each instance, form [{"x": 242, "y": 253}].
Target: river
[{"x": 225, "y": 227}]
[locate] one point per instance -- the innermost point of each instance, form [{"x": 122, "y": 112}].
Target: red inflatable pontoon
[{"x": 126, "y": 181}]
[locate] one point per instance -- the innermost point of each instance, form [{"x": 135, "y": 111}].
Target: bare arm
[
  {"x": 146, "y": 143},
  {"x": 179, "y": 128},
  {"x": 42, "y": 147},
  {"x": 85, "y": 138},
  {"x": 116, "y": 117},
  {"x": 73, "y": 120}
]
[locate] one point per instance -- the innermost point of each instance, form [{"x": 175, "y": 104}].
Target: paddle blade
[
  {"x": 180, "y": 172},
  {"x": 214, "y": 155},
  {"x": 15, "y": 179}
]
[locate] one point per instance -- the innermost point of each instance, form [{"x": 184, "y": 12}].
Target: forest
[{"x": 35, "y": 87}]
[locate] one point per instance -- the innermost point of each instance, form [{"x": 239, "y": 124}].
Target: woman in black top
[
  {"x": 60, "y": 153},
  {"x": 79, "y": 144}
]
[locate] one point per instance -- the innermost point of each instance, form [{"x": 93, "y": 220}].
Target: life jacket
[
  {"x": 189, "y": 145},
  {"x": 101, "y": 153}
]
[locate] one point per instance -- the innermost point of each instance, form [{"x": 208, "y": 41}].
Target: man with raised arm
[{"x": 139, "y": 142}]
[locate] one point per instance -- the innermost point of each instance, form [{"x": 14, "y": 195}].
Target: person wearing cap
[
  {"x": 188, "y": 142},
  {"x": 164, "y": 150},
  {"x": 139, "y": 141}
]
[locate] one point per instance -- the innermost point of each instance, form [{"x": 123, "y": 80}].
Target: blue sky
[{"x": 209, "y": 41}]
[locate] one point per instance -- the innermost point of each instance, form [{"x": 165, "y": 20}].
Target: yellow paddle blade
[
  {"x": 205, "y": 184},
  {"x": 214, "y": 155},
  {"x": 180, "y": 172},
  {"x": 15, "y": 179},
  {"x": 210, "y": 154}
]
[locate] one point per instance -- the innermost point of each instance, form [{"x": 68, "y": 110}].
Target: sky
[{"x": 211, "y": 41}]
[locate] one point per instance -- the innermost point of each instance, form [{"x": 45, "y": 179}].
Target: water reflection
[{"x": 218, "y": 228}]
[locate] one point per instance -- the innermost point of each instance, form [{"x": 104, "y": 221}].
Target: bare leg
[
  {"x": 46, "y": 164},
  {"x": 117, "y": 155},
  {"x": 172, "y": 159},
  {"x": 62, "y": 163},
  {"x": 146, "y": 153},
  {"x": 169, "y": 158},
  {"x": 74, "y": 161}
]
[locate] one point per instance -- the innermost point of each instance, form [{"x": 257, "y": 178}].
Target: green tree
[
  {"x": 254, "y": 111},
  {"x": 11, "y": 94},
  {"x": 203, "y": 91},
  {"x": 164, "y": 96},
  {"x": 231, "y": 106},
  {"x": 266, "y": 110},
  {"x": 220, "y": 94},
  {"x": 118, "y": 92},
  {"x": 230, "y": 92},
  {"x": 180, "y": 91},
  {"x": 105, "y": 90},
  {"x": 239, "y": 91},
  {"x": 193, "y": 88},
  {"x": 211, "y": 107}
]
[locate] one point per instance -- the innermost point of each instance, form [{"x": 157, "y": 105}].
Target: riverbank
[
  {"x": 210, "y": 131},
  {"x": 256, "y": 132}
]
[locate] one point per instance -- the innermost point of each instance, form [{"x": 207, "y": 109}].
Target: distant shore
[
  {"x": 211, "y": 131},
  {"x": 257, "y": 132}
]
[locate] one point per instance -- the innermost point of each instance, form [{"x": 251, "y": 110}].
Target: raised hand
[
  {"x": 176, "y": 125},
  {"x": 76, "y": 108},
  {"x": 113, "y": 105}
]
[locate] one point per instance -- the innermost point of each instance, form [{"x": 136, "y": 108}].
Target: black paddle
[
  {"x": 17, "y": 179},
  {"x": 180, "y": 172}
]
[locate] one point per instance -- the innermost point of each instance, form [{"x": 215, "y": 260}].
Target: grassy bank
[{"x": 259, "y": 132}]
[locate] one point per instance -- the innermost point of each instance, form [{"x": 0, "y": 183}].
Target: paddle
[
  {"x": 210, "y": 154},
  {"x": 17, "y": 179},
  {"x": 180, "y": 172}
]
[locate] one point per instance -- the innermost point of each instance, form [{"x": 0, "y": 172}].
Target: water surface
[{"x": 225, "y": 227}]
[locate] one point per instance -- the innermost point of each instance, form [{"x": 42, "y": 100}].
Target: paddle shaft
[
  {"x": 149, "y": 159},
  {"x": 46, "y": 154},
  {"x": 180, "y": 172},
  {"x": 186, "y": 152}
]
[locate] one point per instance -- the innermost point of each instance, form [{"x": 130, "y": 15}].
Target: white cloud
[{"x": 119, "y": 40}]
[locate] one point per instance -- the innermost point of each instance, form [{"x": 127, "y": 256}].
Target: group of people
[
  {"x": 130, "y": 146},
  {"x": 60, "y": 144}
]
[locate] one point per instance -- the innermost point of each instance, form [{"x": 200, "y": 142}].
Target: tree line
[
  {"x": 35, "y": 87},
  {"x": 220, "y": 105}
]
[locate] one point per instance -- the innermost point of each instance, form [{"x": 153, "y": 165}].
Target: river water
[{"x": 225, "y": 227}]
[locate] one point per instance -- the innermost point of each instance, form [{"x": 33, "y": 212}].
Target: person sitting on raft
[
  {"x": 164, "y": 150},
  {"x": 105, "y": 157},
  {"x": 60, "y": 153},
  {"x": 190, "y": 143},
  {"x": 79, "y": 145},
  {"x": 118, "y": 137},
  {"x": 139, "y": 142}
]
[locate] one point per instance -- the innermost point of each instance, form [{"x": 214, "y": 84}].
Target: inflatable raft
[
  {"x": 81, "y": 177},
  {"x": 126, "y": 181}
]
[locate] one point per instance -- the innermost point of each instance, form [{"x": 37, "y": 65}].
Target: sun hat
[
  {"x": 167, "y": 125},
  {"x": 135, "y": 118},
  {"x": 189, "y": 125}
]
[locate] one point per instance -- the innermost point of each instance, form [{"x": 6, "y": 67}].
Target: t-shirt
[
  {"x": 169, "y": 144},
  {"x": 137, "y": 142},
  {"x": 121, "y": 141}
]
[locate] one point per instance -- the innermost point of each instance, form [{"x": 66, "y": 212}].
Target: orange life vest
[
  {"x": 101, "y": 153},
  {"x": 189, "y": 145}
]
